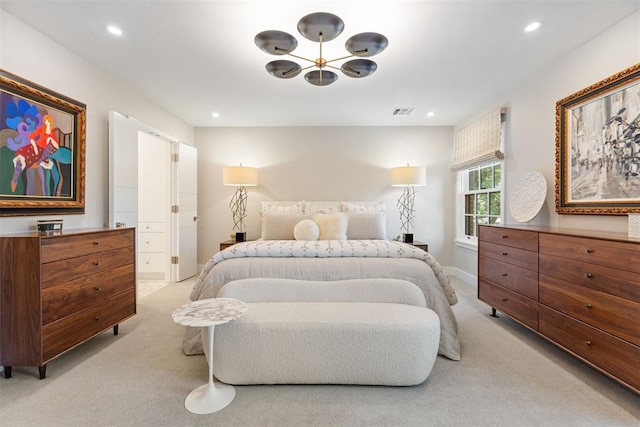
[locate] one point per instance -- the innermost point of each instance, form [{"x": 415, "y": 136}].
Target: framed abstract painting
[
  {"x": 42, "y": 150},
  {"x": 598, "y": 147}
]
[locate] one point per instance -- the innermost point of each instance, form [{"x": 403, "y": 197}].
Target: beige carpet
[{"x": 507, "y": 377}]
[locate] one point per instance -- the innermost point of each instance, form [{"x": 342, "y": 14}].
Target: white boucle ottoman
[{"x": 367, "y": 343}]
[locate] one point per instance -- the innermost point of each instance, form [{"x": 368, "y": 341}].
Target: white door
[
  {"x": 186, "y": 213},
  {"x": 123, "y": 171}
]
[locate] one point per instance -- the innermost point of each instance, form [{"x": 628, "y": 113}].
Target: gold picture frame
[
  {"x": 598, "y": 147},
  {"x": 42, "y": 150}
]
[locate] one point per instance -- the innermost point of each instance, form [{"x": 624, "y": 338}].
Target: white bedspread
[{"x": 332, "y": 260}]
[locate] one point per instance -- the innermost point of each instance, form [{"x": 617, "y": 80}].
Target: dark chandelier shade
[{"x": 321, "y": 27}]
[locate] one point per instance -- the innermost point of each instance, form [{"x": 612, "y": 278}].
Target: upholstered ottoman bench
[{"x": 327, "y": 342}]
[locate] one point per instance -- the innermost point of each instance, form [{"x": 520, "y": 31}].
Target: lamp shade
[
  {"x": 408, "y": 175},
  {"x": 240, "y": 176}
]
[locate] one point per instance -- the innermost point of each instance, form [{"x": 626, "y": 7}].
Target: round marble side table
[{"x": 214, "y": 395}]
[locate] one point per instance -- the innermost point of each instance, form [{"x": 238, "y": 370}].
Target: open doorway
[
  {"x": 153, "y": 186},
  {"x": 154, "y": 207}
]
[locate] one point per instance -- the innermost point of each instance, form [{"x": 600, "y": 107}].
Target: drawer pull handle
[
  {"x": 588, "y": 343},
  {"x": 504, "y": 236},
  {"x": 504, "y": 274},
  {"x": 97, "y": 319},
  {"x": 504, "y": 254},
  {"x": 96, "y": 243},
  {"x": 589, "y": 275},
  {"x": 96, "y": 263},
  {"x": 589, "y": 251},
  {"x": 97, "y": 288},
  {"x": 147, "y": 243},
  {"x": 587, "y": 305},
  {"x": 503, "y": 299}
]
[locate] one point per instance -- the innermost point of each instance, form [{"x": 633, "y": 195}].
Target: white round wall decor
[{"x": 528, "y": 197}]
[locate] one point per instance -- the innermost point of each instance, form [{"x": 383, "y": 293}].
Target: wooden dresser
[
  {"x": 59, "y": 290},
  {"x": 579, "y": 290}
]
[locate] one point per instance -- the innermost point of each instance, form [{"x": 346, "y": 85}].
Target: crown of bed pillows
[{"x": 305, "y": 220}]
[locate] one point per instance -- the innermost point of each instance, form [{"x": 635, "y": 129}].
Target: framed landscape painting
[
  {"x": 598, "y": 147},
  {"x": 42, "y": 150}
]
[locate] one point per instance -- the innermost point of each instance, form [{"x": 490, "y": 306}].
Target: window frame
[
  {"x": 461, "y": 239},
  {"x": 463, "y": 191}
]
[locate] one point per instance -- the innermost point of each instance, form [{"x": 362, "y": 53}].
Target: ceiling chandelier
[{"x": 321, "y": 27}]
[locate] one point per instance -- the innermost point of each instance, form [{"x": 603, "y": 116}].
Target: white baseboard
[
  {"x": 151, "y": 276},
  {"x": 467, "y": 278}
]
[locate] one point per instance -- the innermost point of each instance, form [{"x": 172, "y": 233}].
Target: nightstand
[
  {"x": 421, "y": 245},
  {"x": 227, "y": 243}
]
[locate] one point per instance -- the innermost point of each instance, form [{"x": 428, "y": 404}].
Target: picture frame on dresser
[
  {"x": 42, "y": 149},
  {"x": 597, "y": 141}
]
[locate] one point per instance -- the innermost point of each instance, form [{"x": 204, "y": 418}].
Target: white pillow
[
  {"x": 306, "y": 229},
  {"x": 332, "y": 226},
  {"x": 362, "y": 207},
  {"x": 367, "y": 226},
  {"x": 278, "y": 226},
  {"x": 311, "y": 208},
  {"x": 283, "y": 207}
]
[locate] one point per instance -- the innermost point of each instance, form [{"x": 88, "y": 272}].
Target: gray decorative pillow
[
  {"x": 278, "y": 226},
  {"x": 367, "y": 226}
]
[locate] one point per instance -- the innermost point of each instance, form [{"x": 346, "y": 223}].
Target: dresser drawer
[
  {"x": 67, "y": 298},
  {"x": 65, "y": 333},
  {"x": 620, "y": 255},
  {"x": 509, "y": 237},
  {"x": 151, "y": 242},
  {"x": 61, "y": 247},
  {"x": 520, "y": 257},
  {"x": 152, "y": 227},
  {"x": 613, "y": 355},
  {"x": 612, "y": 314},
  {"x": 517, "y": 306},
  {"x": 517, "y": 279},
  {"x": 151, "y": 262},
  {"x": 58, "y": 272},
  {"x": 624, "y": 284}
]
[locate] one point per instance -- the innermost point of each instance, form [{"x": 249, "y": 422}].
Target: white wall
[
  {"x": 23, "y": 51},
  {"x": 531, "y": 133},
  {"x": 326, "y": 163}
]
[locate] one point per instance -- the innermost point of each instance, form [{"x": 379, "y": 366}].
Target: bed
[{"x": 361, "y": 252}]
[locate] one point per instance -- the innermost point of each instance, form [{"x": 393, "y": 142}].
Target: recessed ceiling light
[
  {"x": 215, "y": 115},
  {"x": 532, "y": 26},
  {"x": 114, "y": 30},
  {"x": 431, "y": 114}
]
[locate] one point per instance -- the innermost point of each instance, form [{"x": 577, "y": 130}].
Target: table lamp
[
  {"x": 241, "y": 177},
  {"x": 408, "y": 177}
]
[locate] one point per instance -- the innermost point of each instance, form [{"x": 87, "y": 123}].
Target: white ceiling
[{"x": 195, "y": 57}]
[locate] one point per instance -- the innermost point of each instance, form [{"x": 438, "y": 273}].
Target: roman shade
[{"x": 477, "y": 142}]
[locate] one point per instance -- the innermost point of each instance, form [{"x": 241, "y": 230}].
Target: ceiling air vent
[{"x": 402, "y": 111}]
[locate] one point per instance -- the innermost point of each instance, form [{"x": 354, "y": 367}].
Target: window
[{"x": 480, "y": 199}]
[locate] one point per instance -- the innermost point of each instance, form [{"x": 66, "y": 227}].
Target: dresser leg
[
  {"x": 7, "y": 371},
  {"x": 115, "y": 330},
  {"x": 493, "y": 312},
  {"x": 43, "y": 371}
]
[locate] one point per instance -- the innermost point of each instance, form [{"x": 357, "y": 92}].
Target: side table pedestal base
[{"x": 206, "y": 399}]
